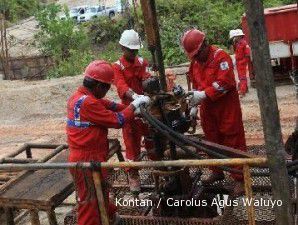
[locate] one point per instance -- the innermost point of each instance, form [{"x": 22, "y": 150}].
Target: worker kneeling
[
  {"x": 88, "y": 118},
  {"x": 211, "y": 72}
]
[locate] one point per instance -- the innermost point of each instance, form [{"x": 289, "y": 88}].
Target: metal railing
[{"x": 97, "y": 180}]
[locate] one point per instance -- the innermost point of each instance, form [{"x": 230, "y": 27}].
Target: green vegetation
[
  {"x": 74, "y": 46},
  {"x": 214, "y": 17},
  {"x": 14, "y": 10},
  {"x": 105, "y": 34},
  {"x": 67, "y": 43}
]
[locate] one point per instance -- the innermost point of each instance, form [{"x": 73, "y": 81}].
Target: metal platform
[
  {"x": 41, "y": 190},
  {"x": 264, "y": 215}
]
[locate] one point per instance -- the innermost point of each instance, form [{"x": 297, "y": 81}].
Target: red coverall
[
  {"x": 221, "y": 117},
  {"x": 129, "y": 76},
  {"x": 88, "y": 120},
  {"x": 242, "y": 53}
]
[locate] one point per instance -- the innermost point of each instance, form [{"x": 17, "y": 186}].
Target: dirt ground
[{"x": 34, "y": 111}]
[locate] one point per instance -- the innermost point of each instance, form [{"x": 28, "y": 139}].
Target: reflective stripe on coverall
[
  {"x": 242, "y": 53},
  {"x": 129, "y": 76},
  {"x": 220, "y": 112},
  {"x": 87, "y": 128}
]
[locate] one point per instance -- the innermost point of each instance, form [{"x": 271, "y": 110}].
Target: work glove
[
  {"x": 131, "y": 94},
  {"x": 141, "y": 99},
  {"x": 196, "y": 97},
  {"x": 137, "y": 111},
  {"x": 134, "y": 96},
  {"x": 193, "y": 113}
]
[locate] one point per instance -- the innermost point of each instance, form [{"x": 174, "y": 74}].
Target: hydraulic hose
[
  {"x": 177, "y": 141},
  {"x": 181, "y": 140},
  {"x": 181, "y": 137}
]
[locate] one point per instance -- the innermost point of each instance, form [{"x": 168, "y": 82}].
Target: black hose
[
  {"x": 170, "y": 137},
  {"x": 293, "y": 163},
  {"x": 184, "y": 139},
  {"x": 166, "y": 133},
  {"x": 170, "y": 134}
]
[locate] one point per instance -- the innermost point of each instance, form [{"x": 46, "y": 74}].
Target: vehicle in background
[
  {"x": 75, "y": 12},
  {"x": 282, "y": 33},
  {"x": 96, "y": 11}
]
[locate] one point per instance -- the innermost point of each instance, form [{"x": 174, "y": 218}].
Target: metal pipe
[
  {"x": 143, "y": 164},
  {"x": 55, "y": 152},
  {"x": 14, "y": 160},
  {"x": 159, "y": 55},
  {"x": 102, "y": 205},
  {"x": 50, "y": 146},
  {"x": 248, "y": 194},
  {"x": 15, "y": 153},
  {"x": 153, "y": 37}
]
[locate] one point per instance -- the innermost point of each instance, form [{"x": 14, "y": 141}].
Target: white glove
[
  {"x": 193, "y": 113},
  {"x": 196, "y": 97},
  {"x": 134, "y": 96},
  {"x": 137, "y": 111},
  {"x": 141, "y": 99}
]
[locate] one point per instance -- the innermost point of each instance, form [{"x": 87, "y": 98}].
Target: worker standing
[
  {"x": 242, "y": 57},
  {"x": 88, "y": 118},
  {"x": 130, "y": 72},
  {"x": 211, "y": 72}
]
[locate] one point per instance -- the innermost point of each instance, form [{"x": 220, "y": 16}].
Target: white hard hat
[
  {"x": 235, "y": 33},
  {"x": 130, "y": 39}
]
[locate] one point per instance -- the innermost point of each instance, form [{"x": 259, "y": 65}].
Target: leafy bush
[
  {"x": 105, "y": 34},
  {"x": 73, "y": 47},
  {"x": 15, "y": 10},
  {"x": 66, "y": 43},
  {"x": 111, "y": 52},
  {"x": 74, "y": 65},
  {"x": 215, "y": 17},
  {"x": 103, "y": 30}
]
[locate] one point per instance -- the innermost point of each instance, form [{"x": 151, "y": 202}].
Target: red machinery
[{"x": 282, "y": 31}]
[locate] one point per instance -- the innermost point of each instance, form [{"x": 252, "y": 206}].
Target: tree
[{"x": 67, "y": 43}]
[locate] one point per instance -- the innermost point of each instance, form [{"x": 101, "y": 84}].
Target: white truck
[
  {"x": 96, "y": 11},
  {"x": 75, "y": 12}
]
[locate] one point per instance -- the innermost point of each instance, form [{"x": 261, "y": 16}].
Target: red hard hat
[
  {"x": 100, "y": 70},
  {"x": 192, "y": 41}
]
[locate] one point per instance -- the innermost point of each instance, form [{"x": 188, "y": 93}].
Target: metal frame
[
  {"x": 9, "y": 158},
  {"x": 246, "y": 163}
]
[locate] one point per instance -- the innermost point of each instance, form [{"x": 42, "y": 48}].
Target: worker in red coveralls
[
  {"x": 211, "y": 72},
  {"x": 130, "y": 72},
  {"x": 242, "y": 57},
  {"x": 88, "y": 118}
]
